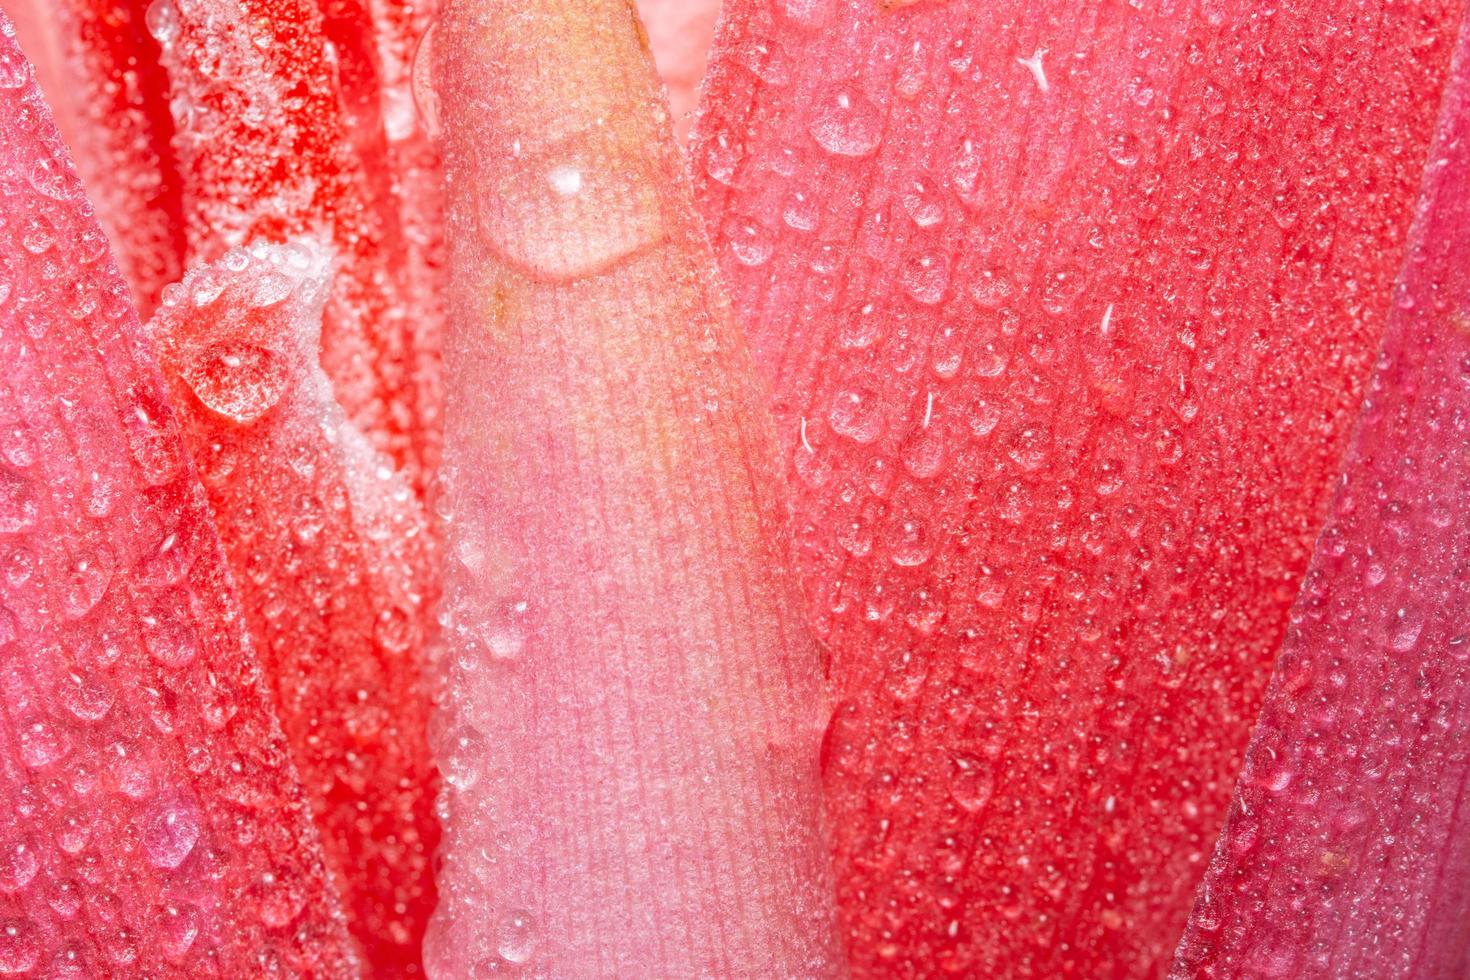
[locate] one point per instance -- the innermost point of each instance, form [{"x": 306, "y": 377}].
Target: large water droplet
[
  {"x": 162, "y": 20},
  {"x": 572, "y": 209},
  {"x": 515, "y": 937},
  {"x": 847, "y": 124},
  {"x": 238, "y": 381},
  {"x": 857, "y": 414}
]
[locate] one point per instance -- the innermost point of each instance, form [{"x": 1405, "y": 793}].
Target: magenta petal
[
  {"x": 152, "y": 823},
  {"x": 1347, "y": 853}
]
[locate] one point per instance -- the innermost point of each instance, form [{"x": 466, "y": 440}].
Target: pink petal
[
  {"x": 153, "y": 821},
  {"x": 633, "y": 722}
]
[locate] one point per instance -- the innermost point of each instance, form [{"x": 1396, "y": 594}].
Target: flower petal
[
  {"x": 633, "y": 723},
  {"x": 329, "y": 546},
  {"x": 1347, "y": 853},
  {"x": 111, "y": 97},
  {"x": 270, "y": 149},
  {"x": 153, "y": 820},
  {"x": 1067, "y": 309},
  {"x": 679, "y": 35}
]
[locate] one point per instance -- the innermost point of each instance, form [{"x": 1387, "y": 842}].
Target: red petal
[
  {"x": 1067, "y": 308},
  {"x": 111, "y": 97},
  {"x": 329, "y": 548},
  {"x": 152, "y": 820},
  {"x": 1347, "y": 852},
  {"x": 631, "y": 744},
  {"x": 271, "y": 148}
]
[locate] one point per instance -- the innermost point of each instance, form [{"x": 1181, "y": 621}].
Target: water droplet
[
  {"x": 42, "y": 743},
  {"x": 920, "y": 198},
  {"x": 750, "y": 242},
  {"x": 1062, "y": 288},
  {"x": 238, "y": 381},
  {"x": 847, "y": 124},
  {"x": 800, "y": 212},
  {"x": 19, "y": 863},
  {"x": 463, "y": 756},
  {"x": 14, "y": 70},
  {"x": 18, "y": 504},
  {"x": 65, "y": 898},
  {"x": 85, "y": 584},
  {"x": 170, "y": 833},
  {"x": 506, "y": 638},
  {"x": 925, "y": 278},
  {"x": 721, "y": 158},
  {"x": 1405, "y": 632},
  {"x": 205, "y": 286},
  {"x": 54, "y": 179},
  {"x": 908, "y": 543},
  {"x": 574, "y": 208},
  {"x": 861, "y": 328},
  {"x": 86, "y": 698},
  {"x": 923, "y": 452},
  {"x": 178, "y": 927},
  {"x": 395, "y": 630},
  {"x": 277, "y": 903},
  {"x": 20, "y": 949},
  {"x": 1123, "y": 149},
  {"x": 421, "y": 81},
  {"x": 162, "y": 20},
  {"x": 169, "y": 637},
  {"x": 992, "y": 288},
  {"x": 515, "y": 938},
  {"x": 971, "y": 784},
  {"x": 857, "y": 414}
]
